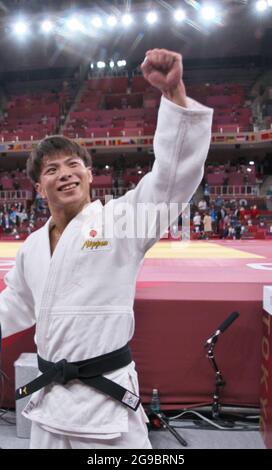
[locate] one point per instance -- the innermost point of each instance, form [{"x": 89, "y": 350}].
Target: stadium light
[
  {"x": 252, "y": 162},
  {"x": 121, "y": 63},
  {"x": 208, "y": 12},
  {"x": 111, "y": 64},
  {"x": 111, "y": 21},
  {"x": 261, "y": 5},
  {"x": 46, "y": 26},
  {"x": 179, "y": 15},
  {"x": 73, "y": 24},
  {"x": 151, "y": 17},
  {"x": 126, "y": 19},
  {"x": 20, "y": 28},
  {"x": 97, "y": 22},
  {"x": 100, "y": 64}
]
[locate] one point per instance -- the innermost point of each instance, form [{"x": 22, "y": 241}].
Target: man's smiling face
[{"x": 64, "y": 181}]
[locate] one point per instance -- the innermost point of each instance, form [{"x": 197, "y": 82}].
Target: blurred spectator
[
  {"x": 238, "y": 230},
  {"x": 206, "y": 193},
  {"x": 197, "y": 222},
  {"x": 254, "y": 212},
  {"x": 207, "y": 221},
  {"x": 202, "y": 205}
]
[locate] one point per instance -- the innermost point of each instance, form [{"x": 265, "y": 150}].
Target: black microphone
[{"x": 226, "y": 323}]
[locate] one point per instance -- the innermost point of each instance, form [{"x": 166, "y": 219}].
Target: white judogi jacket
[{"x": 81, "y": 298}]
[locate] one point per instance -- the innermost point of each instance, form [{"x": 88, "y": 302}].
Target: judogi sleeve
[
  {"x": 181, "y": 145},
  {"x": 16, "y": 301}
]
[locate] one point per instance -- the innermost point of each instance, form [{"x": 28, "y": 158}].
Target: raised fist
[{"x": 162, "y": 69}]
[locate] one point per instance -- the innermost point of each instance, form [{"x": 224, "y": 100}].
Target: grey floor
[{"x": 160, "y": 439}]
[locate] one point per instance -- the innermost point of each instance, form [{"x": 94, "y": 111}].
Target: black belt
[{"x": 89, "y": 372}]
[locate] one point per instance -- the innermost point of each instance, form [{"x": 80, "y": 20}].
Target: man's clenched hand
[{"x": 163, "y": 70}]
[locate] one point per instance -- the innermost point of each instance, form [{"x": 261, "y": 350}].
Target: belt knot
[{"x": 66, "y": 371}]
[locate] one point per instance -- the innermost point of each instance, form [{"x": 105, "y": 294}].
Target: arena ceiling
[{"x": 240, "y": 32}]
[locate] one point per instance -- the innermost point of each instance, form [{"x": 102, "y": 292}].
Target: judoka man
[{"x": 76, "y": 280}]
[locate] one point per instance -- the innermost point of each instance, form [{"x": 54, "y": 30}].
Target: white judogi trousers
[{"x": 135, "y": 438}]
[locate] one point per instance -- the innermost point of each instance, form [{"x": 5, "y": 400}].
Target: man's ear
[
  {"x": 40, "y": 190},
  {"x": 90, "y": 175}
]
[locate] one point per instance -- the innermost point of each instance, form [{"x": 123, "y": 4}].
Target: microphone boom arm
[
  {"x": 224, "y": 325},
  {"x": 219, "y": 381}
]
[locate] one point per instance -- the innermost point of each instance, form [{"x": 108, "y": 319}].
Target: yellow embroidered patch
[{"x": 96, "y": 245}]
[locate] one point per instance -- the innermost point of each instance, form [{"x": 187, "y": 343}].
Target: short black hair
[{"x": 54, "y": 145}]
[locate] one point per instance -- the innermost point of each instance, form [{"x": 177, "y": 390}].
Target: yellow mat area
[
  {"x": 9, "y": 249},
  {"x": 197, "y": 250},
  {"x": 169, "y": 249}
]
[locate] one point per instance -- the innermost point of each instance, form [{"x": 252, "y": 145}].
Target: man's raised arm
[{"x": 181, "y": 141}]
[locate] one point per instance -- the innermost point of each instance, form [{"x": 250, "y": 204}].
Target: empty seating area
[
  {"x": 120, "y": 106},
  {"x": 267, "y": 110},
  {"x": 15, "y": 180},
  {"x": 31, "y": 113},
  {"x": 114, "y": 107},
  {"x": 237, "y": 180},
  {"x": 103, "y": 178},
  {"x": 230, "y": 175},
  {"x": 232, "y": 112},
  {"x": 30, "y": 117}
]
